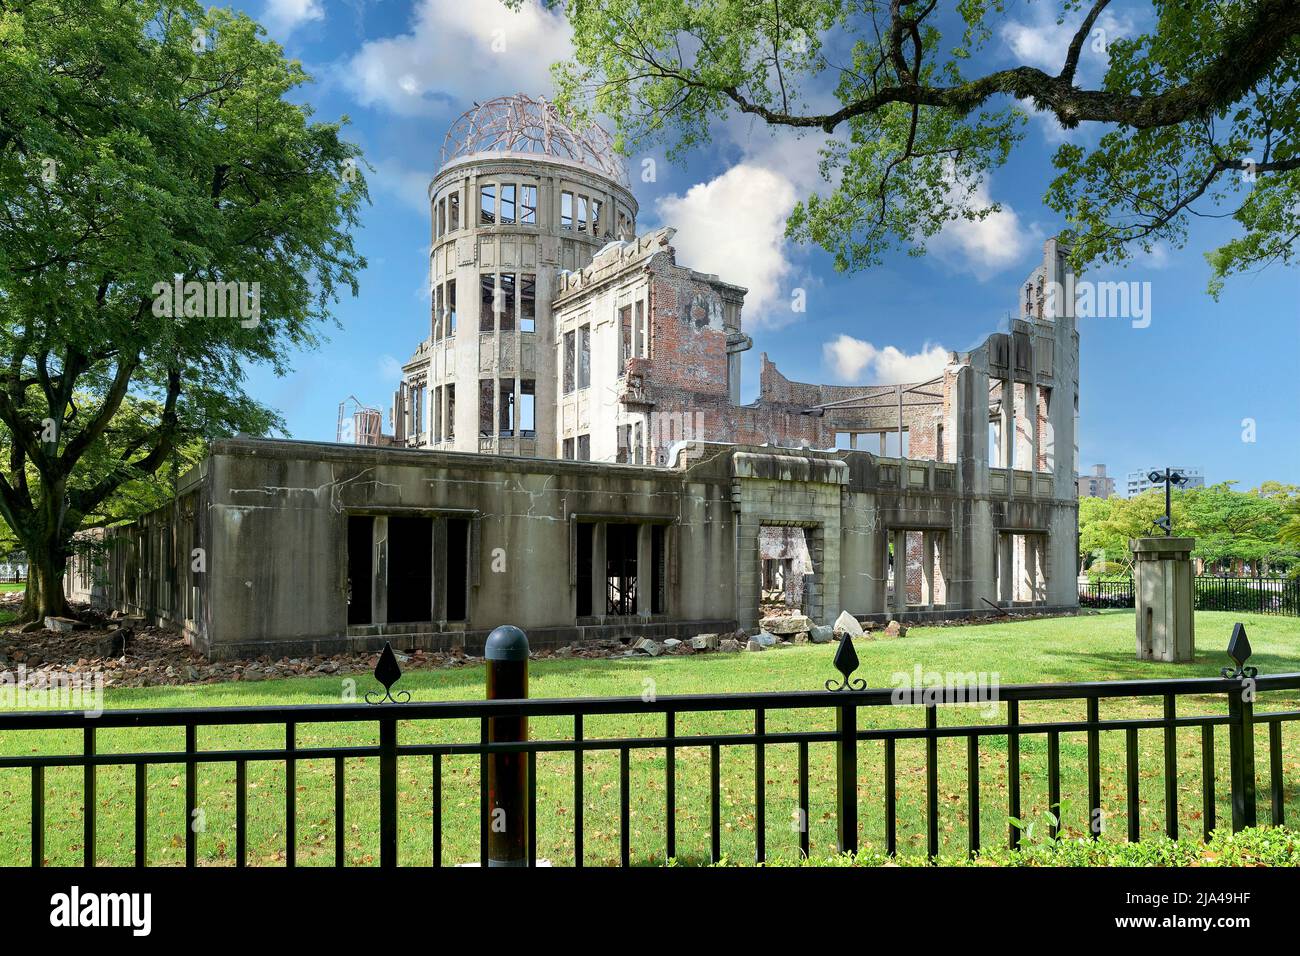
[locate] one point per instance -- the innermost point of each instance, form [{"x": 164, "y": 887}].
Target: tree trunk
[{"x": 44, "y": 597}]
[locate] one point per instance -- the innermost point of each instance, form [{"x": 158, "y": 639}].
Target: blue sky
[{"x": 1176, "y": 391}]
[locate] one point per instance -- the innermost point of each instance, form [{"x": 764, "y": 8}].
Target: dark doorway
[
  {"x": 657, "y": 568},
  {"x": 583, "y": 570},
  {"x": 361, "y": 566},
  {"x": 457, "y": 568},
  {"x": 410, "y": 570},
  {"x": 620, "y": 569}
]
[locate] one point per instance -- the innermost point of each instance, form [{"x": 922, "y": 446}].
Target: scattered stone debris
[
  {"x": 846, "y": 623},
  {"x": 646, "y": 646},
  {"x": 131, "y": 653},
  {"x": 788, "y": 624}
]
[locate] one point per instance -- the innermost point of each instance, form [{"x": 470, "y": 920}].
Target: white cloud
[
  {"x": 985, "y": 246},
  {"x": 857, "y": 362},
  {"x": 734, "y": 225},
  {"x": 460, "y": 50},
  {"x": 410, "y": 186},
  {"x": 284, "y": 16},
  {"x": 1157, "y": 258},
  {"x": 389, "y": 368},
  {"x": 1044, "y": 43}
]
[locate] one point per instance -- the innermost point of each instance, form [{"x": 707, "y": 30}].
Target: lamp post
[{"x": 1170, "y": 478}]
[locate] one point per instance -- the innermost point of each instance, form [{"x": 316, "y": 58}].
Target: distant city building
[
  {"x": 1096, "y": 485},
  {"x": 1140, "y": 481}
]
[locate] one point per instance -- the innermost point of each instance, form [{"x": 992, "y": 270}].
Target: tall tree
[
  {"x": 167, "y": 216},
  {"x": 1203, "y": 105}
]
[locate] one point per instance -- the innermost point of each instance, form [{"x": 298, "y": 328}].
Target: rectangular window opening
[
  {"x": 508, "y": 204},
  {"x": 568, "y": 362},
  {"x": 457, "y": 577},
  {"x": 528, "y": 302},
  {"x": 506, "y": 300},
  {"x": 584, "y": 356},
  {"x": 410, "y": 569},
  {"x": 507, "y": 408},
  {"x": 528, "y": 408},
  {"x": 624, "y": 338},
  {"x": 528, "y": 205},
  {"x": 451, "y": 413},
  {"x": 360, "y": 569},
  {"x": 583, "y": 560},
  {"x": 487, "y": 302},
  {"x": 620, "y": 569},
  {"x": 487, "y": 204},
  {"x": 485, "y": 387}
]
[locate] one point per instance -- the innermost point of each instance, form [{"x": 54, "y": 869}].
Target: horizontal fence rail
[
  {"x": 852, "y": 731},
  {"x": 1274, "y": 595}
]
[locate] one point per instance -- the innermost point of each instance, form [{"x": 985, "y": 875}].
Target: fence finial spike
[
  {"x": 846, "y": 662},
  {"x": 388, "y": 672},
  {"x": 1239, "y": 650}
]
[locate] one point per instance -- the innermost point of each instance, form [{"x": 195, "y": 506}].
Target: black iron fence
[
  {"x": 1182, "y": 701},
  {"x": 1107, "y": 593},
  {"x": 1275, "y": 595},
  {"x": 1258, "y": 595}
]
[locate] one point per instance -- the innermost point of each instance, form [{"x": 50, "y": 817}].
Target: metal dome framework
[{"x": 521, "y": 124}]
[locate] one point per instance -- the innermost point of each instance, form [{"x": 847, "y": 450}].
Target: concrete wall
[{"x": 271, "y": 520}]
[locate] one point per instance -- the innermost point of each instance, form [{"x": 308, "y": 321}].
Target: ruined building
[{"x": 570, "y": 454}]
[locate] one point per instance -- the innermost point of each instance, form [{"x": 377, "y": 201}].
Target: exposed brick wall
[
  {"x": 686, "y": 351},
  {"x": 922, "y": 412},
  {"x": 686, "y": 376},
  {"x": 915, "y": 573}
]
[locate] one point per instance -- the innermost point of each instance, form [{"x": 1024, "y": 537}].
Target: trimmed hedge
[{"x": 1259, "y": 846}]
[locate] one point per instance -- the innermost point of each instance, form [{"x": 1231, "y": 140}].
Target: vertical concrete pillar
[
  {"x": 927, "y": 569},
  {"x": 438, "y": 596},
  {"x": 599, "y": 597},
  {"x": 643, "y": 604},
  {"x": 1031, "y": 417},
  {"x": 900, "y": 571},
  {"x": 943, "y": 566},
  {"x": 1007, "y": 438},
  {"x": 1165, "y": 595},
  {"x": 1006, "y": 567},
  {"x": 379, "y": 572}
]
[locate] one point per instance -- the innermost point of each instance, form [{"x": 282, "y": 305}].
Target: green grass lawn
[
  {"x": 8, "y": 616},
  {"x": 1097, "y": 647}
]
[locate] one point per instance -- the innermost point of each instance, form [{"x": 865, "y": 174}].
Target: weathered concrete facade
[{"x": 317, "y": 547}]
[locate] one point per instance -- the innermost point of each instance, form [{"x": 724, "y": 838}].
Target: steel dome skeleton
[{"x": 523, "y": 124}]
